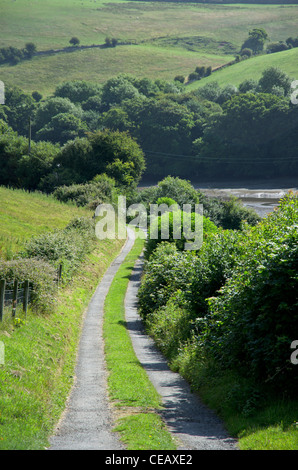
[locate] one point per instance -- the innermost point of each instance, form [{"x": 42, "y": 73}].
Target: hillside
[
  {"x": 156, "y": 39},
  {"x": 252, "y": 69},
  {"x": 24, "y": 214}
]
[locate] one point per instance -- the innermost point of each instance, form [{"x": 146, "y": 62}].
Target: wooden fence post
[
  {"x": 15, "y": 298},
  {"x": 2, "y": 297},
  {"x": 26, "y": 297},
  {"x": 59, "y": 274}
]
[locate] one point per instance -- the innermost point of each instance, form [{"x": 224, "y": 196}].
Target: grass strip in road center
[{"x": 135, "y": 398}]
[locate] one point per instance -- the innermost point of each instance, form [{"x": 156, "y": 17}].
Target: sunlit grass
[
  {"x": 24, "y": 214},
  {"x": 40, "y": 357},
  {"x": 129, "y": 387},
  {"x": 252, "y": 69},
  {"x": 224, "y": 27}
]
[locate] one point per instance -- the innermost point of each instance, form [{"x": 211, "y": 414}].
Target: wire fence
[{"x": 16, "y": 293}]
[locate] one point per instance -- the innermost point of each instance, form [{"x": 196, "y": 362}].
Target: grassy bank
[
  {"x": 24, "y": 214},
  {"x": 135, "y": 398},
  {"x": 40, "y": 355},
  {"x": 252, "y": 69}
]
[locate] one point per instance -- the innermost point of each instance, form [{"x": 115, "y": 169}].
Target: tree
[
  {"x": 100, "y": 152},
  {"x": 246, "y": 52},
  {"x": 61, "y": 128},
  {"x": 74, "y": 41},
  {"x": 19, "y": 107},
  {"x": 53, "y": 106},
  {"x": 256, "y": 40},
  {"x": 36, "y": 96},
  {"x": 275, "y": 77},
  {"x": 249, "y": 85},
  {"x": 17, "y": 167},
  {"x": 77, "y": 91},
  {"x": 30, "y": 49},
  {"x": 118, "y": 89},
  {"x": 277, "y": 47}
]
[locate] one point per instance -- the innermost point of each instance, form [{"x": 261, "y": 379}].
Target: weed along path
[
  {"x": 193, "y": 425},
  {"x": 87, "y": 421}
]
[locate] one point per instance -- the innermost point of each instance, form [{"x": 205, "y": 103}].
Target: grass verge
[
  {"x": 135, "y": 398},
  {"x": 258, "y": 419},
  {"x": 40, "y": 357}
]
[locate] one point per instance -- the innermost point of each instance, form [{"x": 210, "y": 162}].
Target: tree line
[{"x": 247, "y": 131}]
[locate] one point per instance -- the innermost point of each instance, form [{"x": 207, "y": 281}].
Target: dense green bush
[
  {"x": 200, "y": 226},
  {"x": 67, "y": 247},
  {"x": 174, "y": 302},
  {"x": 42, "y": 277},
  {"x": 167, "y": 271},
  {"x": 100, "y": 189},
  {"x": 171, "y": 325},
  {"x": 228, "y": 214},
  {"x": 232, "y": 304},
  {"x": 251, "y": 324}
]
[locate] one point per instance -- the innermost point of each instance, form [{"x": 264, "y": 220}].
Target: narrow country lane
[{"x": 87, "y": 421}]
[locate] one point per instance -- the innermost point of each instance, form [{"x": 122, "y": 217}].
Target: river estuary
[{"x": 262, "y": 196}]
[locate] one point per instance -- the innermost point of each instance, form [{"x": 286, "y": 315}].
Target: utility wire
[{"x": 203, "y": 159}]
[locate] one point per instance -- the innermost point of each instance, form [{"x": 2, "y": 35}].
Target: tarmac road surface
[{"x": 87, "y": 421}]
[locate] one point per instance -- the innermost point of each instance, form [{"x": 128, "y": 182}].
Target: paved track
[{"x": 87, "y": 421}]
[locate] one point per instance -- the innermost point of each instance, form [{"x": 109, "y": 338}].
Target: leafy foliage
[
  {"x": 67, "y": 247},
  {"x": 41, "y": 275}
]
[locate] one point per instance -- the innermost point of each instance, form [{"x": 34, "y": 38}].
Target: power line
[{"x": 204, "y": 159}]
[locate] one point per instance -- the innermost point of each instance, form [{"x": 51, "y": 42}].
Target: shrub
[
  {"x": 250, "y": 324},
  {"x": 67, "y": 247},
  {"x": 179, "y": 78},
  {"x": 168, "y": 219},
  {"x": 170, "y": 326},
  {"x": 193, "y": 76},
  {"x": 234, "y": 213},
  {"x": 42, "y": 278},
  {"x": 100, "y": 189},
  {"x": 246, "y": 52},
  {"x": 167, "y": 271},
  {"x": 74, "y": 41}
]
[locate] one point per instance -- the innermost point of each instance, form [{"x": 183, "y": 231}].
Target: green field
[
  {"x": 252, "y": 69},
  {"x": 23, "y": 215},
  {"x": 98, "y": 65},
  {"x": 169, "y": 38}
]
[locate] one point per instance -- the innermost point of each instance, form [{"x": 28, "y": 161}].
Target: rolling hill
[
  {"x": 252, "y": 69},
  {"x": 156, "y": 39}
]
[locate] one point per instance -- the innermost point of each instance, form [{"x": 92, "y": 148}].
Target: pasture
[{"x": 156, "y": 39}]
